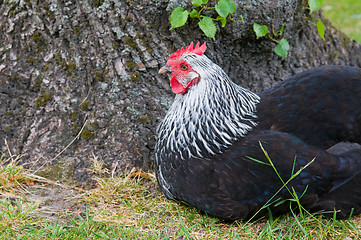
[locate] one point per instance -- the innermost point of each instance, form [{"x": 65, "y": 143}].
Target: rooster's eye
[{"x": 183, "y": 67}]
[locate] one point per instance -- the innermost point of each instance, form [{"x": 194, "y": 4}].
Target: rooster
[{"x": 228, "y": 151}]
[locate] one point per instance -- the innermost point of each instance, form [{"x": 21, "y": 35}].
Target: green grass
[
  {"x": 123, "y": 208},
  {"x": 132, "y": 207},
  {"x": 345, "y": 15}
]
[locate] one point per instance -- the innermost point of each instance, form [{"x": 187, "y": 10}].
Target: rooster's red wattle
[{"x": 209, "y": 154}]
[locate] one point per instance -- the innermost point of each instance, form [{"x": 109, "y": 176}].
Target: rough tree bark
[{"x": 67, "y": 66}]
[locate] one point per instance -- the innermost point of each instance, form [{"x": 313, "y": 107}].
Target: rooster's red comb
[{"x": 199, "y": 50}]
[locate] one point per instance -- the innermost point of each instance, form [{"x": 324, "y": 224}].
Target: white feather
[{"x": 215, "y": 104}]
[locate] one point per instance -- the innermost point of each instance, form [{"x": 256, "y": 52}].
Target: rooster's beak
[{"x": 164, "y": 69}]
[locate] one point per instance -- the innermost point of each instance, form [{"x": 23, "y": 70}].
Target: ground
[{"x": 131, "y": 206}]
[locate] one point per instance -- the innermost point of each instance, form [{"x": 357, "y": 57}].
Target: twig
[{"x": 8, "y": 148}]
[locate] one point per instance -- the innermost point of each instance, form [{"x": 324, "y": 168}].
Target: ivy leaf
[
  {"x": 208, "y": 27},
  {"x": 197, "y": 3},
  {"x": 204, "y": 1},
  {"x": 178, "y": 17},
  {"x": 260, "y": 30},
  {"x": 222, "y": 20},
  {"x": 193, "y": 13},
  {"x": 232, "y": 6},
  {"x": 225, "y": 7},
  {"x": 321, "y": 29},
  {"x": 315, "y": 5},
  {"x": 282, "y": 48}
]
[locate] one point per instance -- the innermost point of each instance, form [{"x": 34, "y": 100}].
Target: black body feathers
[
  {"x": 321, "y": 106},
  {"x": 297, "y": 121}
]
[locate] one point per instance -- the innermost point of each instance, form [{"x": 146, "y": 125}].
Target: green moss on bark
[
  {"x": 43, "y": 100},
  {"x": 86, "y": 134},
  {"x": 85, "y": 106}
]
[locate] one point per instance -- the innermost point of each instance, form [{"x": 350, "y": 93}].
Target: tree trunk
[{"x": 80, "y": 78}]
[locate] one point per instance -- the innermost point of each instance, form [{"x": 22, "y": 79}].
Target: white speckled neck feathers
[{"x": 209, "y": 117}]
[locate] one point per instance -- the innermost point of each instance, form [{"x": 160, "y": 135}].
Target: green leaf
[
  {"x": 232, "y": 6},
  {"x": 321, "y": 29},
  {"x": 260, "y": 30},
  {"x": 193, "y": 14},
  {"x": 282, "y": 48},
  {"x": 315, "y": 5},
  {"x": 222, "y": 8},
  {"x": 197, "y": 3},
  {"x": 178, "y": 17},
  {"x": 208, "y": 27},
  {"x": 204, "y": 1},
  {"x": 225, "y": 7},
  {"x": 222, "y": 20}
]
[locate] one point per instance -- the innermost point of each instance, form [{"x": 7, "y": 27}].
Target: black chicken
[{"x": 209, "y": 151}]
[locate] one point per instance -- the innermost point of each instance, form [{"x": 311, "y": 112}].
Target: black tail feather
[{"x": 345, "y": 196}]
